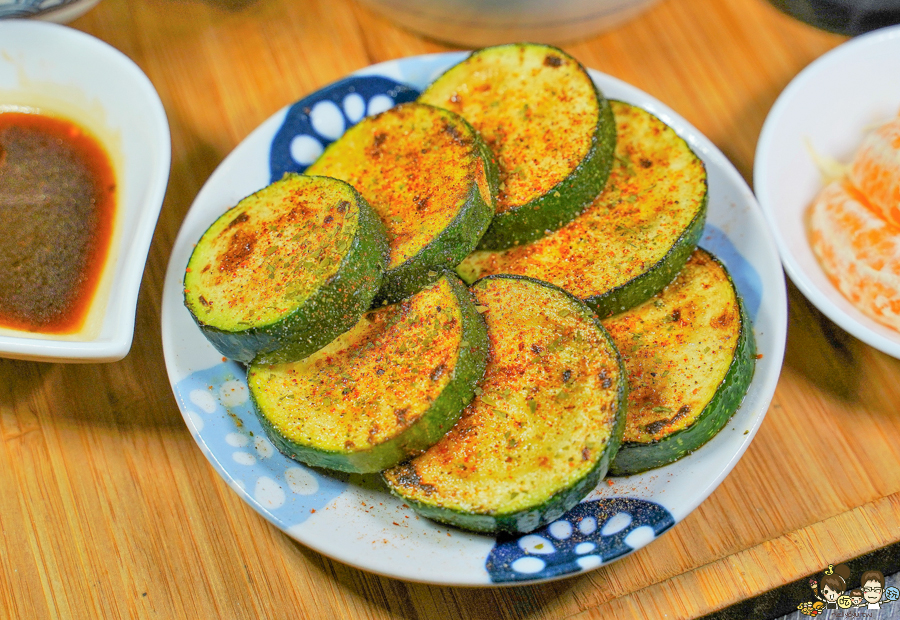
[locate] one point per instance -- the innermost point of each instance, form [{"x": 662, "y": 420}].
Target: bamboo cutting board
[{"x": 109, "y": 509}]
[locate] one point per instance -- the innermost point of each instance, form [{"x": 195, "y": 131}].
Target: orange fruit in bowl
[
  {"x": 858, "y": 250},
  {"x": 875, "y": 170}
]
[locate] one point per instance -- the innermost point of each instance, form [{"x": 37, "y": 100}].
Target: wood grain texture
[{"x": 109, "y": 510}]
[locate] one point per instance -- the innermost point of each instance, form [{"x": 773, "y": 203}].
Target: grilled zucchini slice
[
  {"x": 690, "y": 356},
  {"x": 635, "y": 236},
  {"x": 544, "y": 424},
  {"x": 429, "y": 177},
  {"x": 550, "y": 128},
  {"x": 286, "y": 270},
  {"x": 391, "y": 386}
]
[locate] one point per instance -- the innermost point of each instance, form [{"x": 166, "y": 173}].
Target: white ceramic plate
[
  {"x": 348, "y": 517},
  {"x": 64, "y": 72},
  {"x": 829, "y": 106}
]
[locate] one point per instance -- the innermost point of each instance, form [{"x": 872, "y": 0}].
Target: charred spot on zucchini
[
  {"x": 390, "y": 387},
  {"x": 286, "y": 270},
  {"x": 634, "y": 238},
  {"x": 543, "y": 426},
  {"x": 690, "y": 356},
  {"x": 430, "y": 178},
  {"x": 550, "y": 128}
]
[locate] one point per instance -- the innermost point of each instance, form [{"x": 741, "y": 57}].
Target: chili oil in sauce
[{"x": 57, "y": 207}]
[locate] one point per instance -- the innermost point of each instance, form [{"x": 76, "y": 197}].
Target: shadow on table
[
  {"x": 420, "y": 601},
  {"x": 820, "y": 351},
  {"x": 121, "y": 395},
  {"x": 231, "y": 5}
]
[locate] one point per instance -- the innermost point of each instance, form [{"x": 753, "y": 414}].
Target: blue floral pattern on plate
[
  {"x": 217, "y": 401},
  {"x": 316, "y": 121},
  {"x": 742, "y": 272},
  {"x": 592, "y": 533}
]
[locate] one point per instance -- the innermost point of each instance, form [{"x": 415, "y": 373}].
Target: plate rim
[{"x": 700, "y": 143}]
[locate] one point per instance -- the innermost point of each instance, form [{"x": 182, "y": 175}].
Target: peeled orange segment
[
  {"x": 875, "y": 170},
  {"x": 858, "y": 250}
]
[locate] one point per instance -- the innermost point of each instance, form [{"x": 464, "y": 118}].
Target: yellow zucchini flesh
[
  {"x": 286, "y": 270},
  {"x": 544, "y": 424},
  {"x": 690, "y": 354},
  {"x": 431, "y": 180},
  {"x": 550, "y": 128},
  {"x": 389, "y": 387},
  {"x": 637, "y": 234}
]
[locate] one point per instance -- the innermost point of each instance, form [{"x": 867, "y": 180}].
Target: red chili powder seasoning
[{"x": 57, "y": 206}]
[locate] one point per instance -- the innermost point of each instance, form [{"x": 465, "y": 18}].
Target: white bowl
[
  {"x": 62, "y": 71},
  {"x": 829, "y": 106},
  {"x": 478, "y": 23}
]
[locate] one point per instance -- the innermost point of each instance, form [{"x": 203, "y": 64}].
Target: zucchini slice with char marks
[
  {"x": 690, "y": 356},
  {"x": 287, "y": 270},
  {"x": 429, "y": 177},
  {"x": 391, "y": 386},
  {"x": 544, "y": 425},
  {"x": 552, "y": 132},
  {"x": 636, "y": 235}
]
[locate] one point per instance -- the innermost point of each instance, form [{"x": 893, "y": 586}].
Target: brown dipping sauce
[{"x": 57, "y": 206}]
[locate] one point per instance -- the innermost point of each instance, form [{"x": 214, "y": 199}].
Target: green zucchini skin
[
  {"x": 558, "y": 204},
  {"x": 452, "y": 245},
  {"x": 332, "y": 308},
  {"x": 564, "y": 202},
  {"x": 416, "y": 478},
  {"x": 432, "y": 180},
  {"x": 520, "y": 522},
  {"x": 636, "y": 457},
  {"x": 426, "y": 430},
  {"x": 636, "y": 235},
  {"x": 643, "y": 287},
  {"x": 339, "y": 303}
]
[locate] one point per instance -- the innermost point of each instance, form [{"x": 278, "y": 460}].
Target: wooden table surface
[{"x": 109, "y": 510}]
